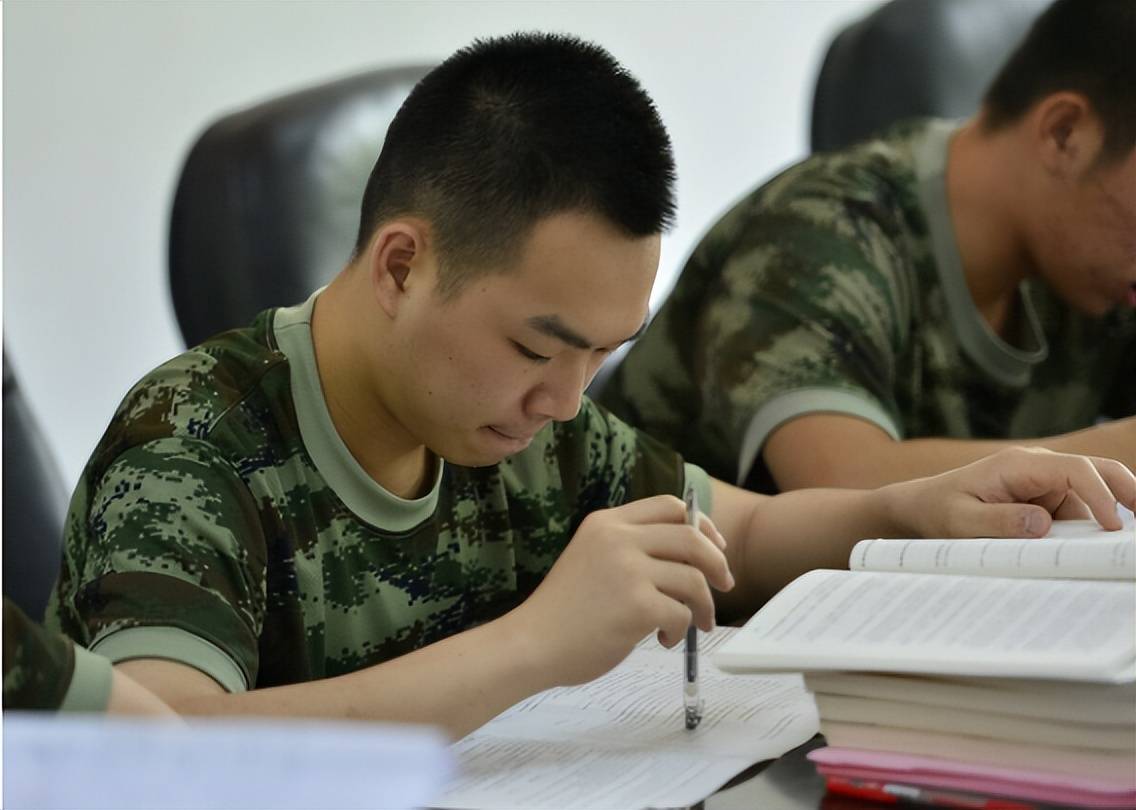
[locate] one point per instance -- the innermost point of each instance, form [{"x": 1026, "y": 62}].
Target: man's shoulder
[
  {"x": 874, "y": 180},
  {"x": 882, "y": 168},
  {"x": 188, "y": 395}
]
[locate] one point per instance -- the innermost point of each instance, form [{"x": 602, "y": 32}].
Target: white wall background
[{"x": 103, "y": 99}]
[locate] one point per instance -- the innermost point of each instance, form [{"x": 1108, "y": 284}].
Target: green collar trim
[
  {"x": 379, "y": 507},
  {"x": 1004, "y": 362}
]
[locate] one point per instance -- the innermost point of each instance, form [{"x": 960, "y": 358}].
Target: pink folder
[{"x": 1043, "y": 786}]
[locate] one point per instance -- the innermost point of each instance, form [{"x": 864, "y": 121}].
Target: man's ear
[
  {"x": 397, "y": 253},
  {"x": 1068, "y": 133}
]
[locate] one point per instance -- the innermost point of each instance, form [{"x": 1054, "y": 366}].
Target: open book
[{"x": 1060, "y": 608}]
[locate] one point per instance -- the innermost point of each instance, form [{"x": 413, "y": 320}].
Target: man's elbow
[{"x": 806, "y": 453}]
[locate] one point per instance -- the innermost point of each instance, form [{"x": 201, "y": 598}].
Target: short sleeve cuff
[
  {"x": 695, "y": 476},
  {"x": 89, "y": 690},
  {"x": 174, "y": 644},
  {"x": 804, "y": 401}
]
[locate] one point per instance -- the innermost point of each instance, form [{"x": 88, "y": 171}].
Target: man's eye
[{"x": 530, "y": 354}]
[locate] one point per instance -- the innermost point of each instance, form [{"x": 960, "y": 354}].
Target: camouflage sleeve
[
  {"x": 43, "y": 670},
  {"x": 167, "y": 560},
  {"x": 807, "y": 315}
]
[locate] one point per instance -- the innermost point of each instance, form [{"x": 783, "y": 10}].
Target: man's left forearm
[{"x": 784, "y": 536}]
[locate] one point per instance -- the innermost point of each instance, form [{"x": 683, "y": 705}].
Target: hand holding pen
[{"x": 627, "y": 572}]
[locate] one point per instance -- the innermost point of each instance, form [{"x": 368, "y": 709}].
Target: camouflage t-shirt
[
  {"x": 43, "y": 670},
  {"x": 223, "y": 523},
  {"x": 838, "y": 287}
]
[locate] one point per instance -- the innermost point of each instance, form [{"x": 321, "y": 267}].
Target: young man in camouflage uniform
[
  {"x": 919, "y": 301},
  {"x": 392, "y": 502}
]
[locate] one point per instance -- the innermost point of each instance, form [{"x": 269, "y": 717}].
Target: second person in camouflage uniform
[{"x": 918, "y": 301}]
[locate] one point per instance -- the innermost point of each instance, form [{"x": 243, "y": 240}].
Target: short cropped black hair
[
  {"x": 511, "y": 130},
  {"x": 1086, "y": 46}
]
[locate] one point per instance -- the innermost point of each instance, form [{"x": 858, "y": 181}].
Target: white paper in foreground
[
  {"x": 620, "y": 742},
  {"x": 89, "y": 761}
]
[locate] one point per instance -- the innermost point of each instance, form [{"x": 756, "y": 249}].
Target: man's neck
[
  {"x": 375, "y": 438},
  {"x": 981, "y": 187}
]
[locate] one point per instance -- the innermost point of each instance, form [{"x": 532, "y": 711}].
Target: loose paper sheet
[
  {"x": 90, "y": 761},
  {"x": 620, "y": 741}
]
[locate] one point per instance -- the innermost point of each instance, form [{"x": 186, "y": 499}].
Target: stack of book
[
  {"x": 970, "y": 668},
  {"x": 1043, "y": 740}
]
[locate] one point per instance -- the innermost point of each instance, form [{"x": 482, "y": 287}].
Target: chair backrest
[
  {"x": 267, "y": 205},
  {"x": 913, "y": 58},
  {"x": 35, "y": 504}
]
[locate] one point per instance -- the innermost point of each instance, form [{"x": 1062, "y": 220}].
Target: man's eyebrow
[{"x": 552, "y": 326}]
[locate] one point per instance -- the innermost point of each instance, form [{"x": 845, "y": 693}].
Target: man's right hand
[{"x": 628, "y": 571}]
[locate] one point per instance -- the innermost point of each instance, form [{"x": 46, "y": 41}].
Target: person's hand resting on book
[{"x": 1017, "y": 492}]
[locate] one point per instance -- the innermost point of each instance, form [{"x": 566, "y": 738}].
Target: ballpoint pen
[{"x": 692, "y": 703}]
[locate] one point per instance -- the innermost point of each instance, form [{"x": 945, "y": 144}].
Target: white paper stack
[{"x": 91, "y": 761}]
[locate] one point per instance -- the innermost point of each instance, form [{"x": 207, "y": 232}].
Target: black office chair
[
  {"x": 912, "y": 58},
  {"x": 267, "y": 206},
  {"x": 35, "y": 504}
]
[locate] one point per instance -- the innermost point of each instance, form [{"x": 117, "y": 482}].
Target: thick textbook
[
  {"x": 949, "y": 608},
  {"x": 1079, "y": 729}
]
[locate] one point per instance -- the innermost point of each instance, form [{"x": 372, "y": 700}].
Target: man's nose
[{"x": 559, "y": 393}]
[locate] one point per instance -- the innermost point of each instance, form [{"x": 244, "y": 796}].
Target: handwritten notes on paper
[{"x": 620, "y": 741}]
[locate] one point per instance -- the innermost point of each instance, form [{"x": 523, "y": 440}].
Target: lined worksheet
[{"x": 620, "y": 741}]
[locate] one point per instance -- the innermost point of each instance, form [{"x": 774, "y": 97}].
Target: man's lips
[{"x": 513, "y": 435}]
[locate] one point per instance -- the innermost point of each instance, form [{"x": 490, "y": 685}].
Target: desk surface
[{"x": 788, "y": 783}]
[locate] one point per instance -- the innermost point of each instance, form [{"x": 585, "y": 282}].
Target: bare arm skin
[
  {"x": 833, "y": 450},
  {"x": 128, "y": 697},
  {"x": 457, "y": 684}
]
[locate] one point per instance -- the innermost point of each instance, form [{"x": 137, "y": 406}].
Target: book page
[
  {"x": 1074, "y": 549},
  {"x": 948, "y": 625},
  {"x": 620, "y": 741}
]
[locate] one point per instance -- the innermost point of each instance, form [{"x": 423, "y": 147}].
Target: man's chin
[
  {"x": 475, "y": 454},
  {"x": 483, "y": 448},
  {"x": 473, "y": 459}
]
